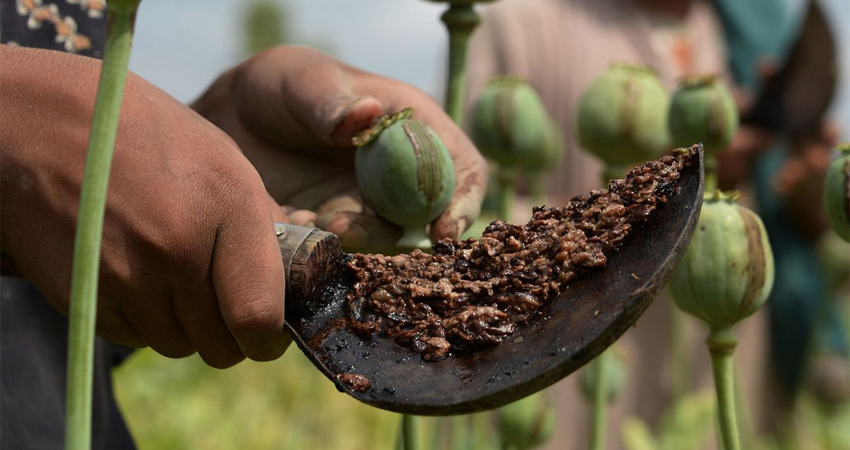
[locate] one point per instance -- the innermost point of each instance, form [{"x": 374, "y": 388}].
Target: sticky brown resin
[{"x": 473, "y": 294}]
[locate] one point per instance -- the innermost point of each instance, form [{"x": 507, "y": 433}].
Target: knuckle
[
  {"x": 238, "y": 189},
  {"x": 256, "y": 318}
]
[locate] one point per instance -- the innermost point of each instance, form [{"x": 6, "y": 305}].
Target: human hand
[
  {"x": 293, "y": 112},
  {"x": 189, "y": 259},
  {"x": 800, "y": 180},
  {"x": 734, "y": 164}
]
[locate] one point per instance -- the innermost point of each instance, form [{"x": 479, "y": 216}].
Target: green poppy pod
[
  {"x": 613, "y": 362},
  {"x": 622, "y": 116},
  {"x": 405, "y": 174},
  {"x": 836, "y": 193},
  {"x": 509, "y": 122},
  {"x": 526, "y": 423},
  {"x": 727, "y": 271},
  {"x": 553, "y": 151},
  {"x": 703, "y": 110}
]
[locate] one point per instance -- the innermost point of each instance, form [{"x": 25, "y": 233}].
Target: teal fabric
[
  {"x": 755, "y": 30},
  {"x": 798, "y": 292}
]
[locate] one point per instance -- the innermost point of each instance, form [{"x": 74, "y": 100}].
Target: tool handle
[{"x": 311, "y": 258}]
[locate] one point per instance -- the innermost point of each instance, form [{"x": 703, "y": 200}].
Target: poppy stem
[
  {"x": 721, "y": 343},
  {"x": 409, "y": 432},
  {"x": 460, "y": 19},
  {"x": 600, "y": 401},
  {"x": 83, "y": 308}
]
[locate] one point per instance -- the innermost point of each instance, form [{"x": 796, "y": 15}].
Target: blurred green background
[{"x": 285, "y": 404}]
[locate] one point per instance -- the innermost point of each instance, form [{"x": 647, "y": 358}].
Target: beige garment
[{"x": 559, "y": 46}]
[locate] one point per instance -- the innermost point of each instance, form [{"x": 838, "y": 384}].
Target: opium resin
[{"x": 473, "y": 294}]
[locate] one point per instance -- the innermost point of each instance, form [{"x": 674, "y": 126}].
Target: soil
[{"x": 474, "y": 294}]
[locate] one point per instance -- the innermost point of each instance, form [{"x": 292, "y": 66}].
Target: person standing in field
[{"x": 559, "y": 47}]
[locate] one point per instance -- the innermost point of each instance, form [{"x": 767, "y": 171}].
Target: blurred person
[
  {"x": 783, "y": 55},
  {"x": 189, "y": 261},
  {"x": 559, "y": 47}
]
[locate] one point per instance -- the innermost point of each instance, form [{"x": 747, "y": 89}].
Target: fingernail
[{"x": 355, "y": 116}]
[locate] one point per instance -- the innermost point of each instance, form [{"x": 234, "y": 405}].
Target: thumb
[
  {"x": 248, "y": 279},
  {"x": 297, "y": 95}
]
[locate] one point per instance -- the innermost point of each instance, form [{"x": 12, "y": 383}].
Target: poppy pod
[
  {"x": 622, "y": 116},
  {"x": 727, "y": 271},
  {"x": 510, "y": 124},
  {"x": 703, "y": 110},
  {"x": 404, "y": 173},
  {"x": 836, "y": 193}
]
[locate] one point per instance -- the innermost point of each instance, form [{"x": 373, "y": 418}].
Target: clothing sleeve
[{"x": 74, "y": 26}]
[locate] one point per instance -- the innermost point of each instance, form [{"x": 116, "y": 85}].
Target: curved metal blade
[{"x": 567, "y": 332}]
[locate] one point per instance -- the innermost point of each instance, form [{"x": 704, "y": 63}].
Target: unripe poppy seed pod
[
  {"x": 622, "y": 116},
  {"x": 404, "y": 171},
  {"x": 509, "y": 123},
  {"x": 727, "y": 271},
  {"x": 614, "y": 364},
  {"x": 703, "y": 110},
  {"x": 552, "y": 152},
  {"x": 836, "y": 193},
  {"x": 526, "y": 423}
]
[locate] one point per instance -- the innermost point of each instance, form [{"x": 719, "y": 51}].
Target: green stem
[
  {"x": 414, "y": 238},
  {"x": 484, "y": 434},
  {"x": 721, "y": 343},
  {"x": 458, "y": 435},
  {"x": 679, "y": 363},
  {"x": 536, "y": 188},
  {"x": 469, "y": 438},
  {"x": 410, "y": 432},
  {"x": 506, "y": 180},
  {"x": 460, "y": 19},
  {"x": 600, "y": 403},
  {"x": 440, "y": 426},
  {"x": 748, "y": 437},
  {"x": 82, "y": 315},
  {"x": 710, "y": 174}
]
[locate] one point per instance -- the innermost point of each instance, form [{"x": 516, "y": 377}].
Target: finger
[
  {"x": 362, "y": 233},
  {"x": 308, "y": 102},
  {"x": 149, "y": 315},
  {"x": 157, "y": 325},
  {"x": 349, "y": 201},
  {"x": 248, "y": 279},
  {"x": 471, "y": 173},
  {"x": 199, "y": 314},
  {"x": 303, "y": 218},
  {"x": 116, "y": 329},
  {"x": 347, "y": 117}
]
